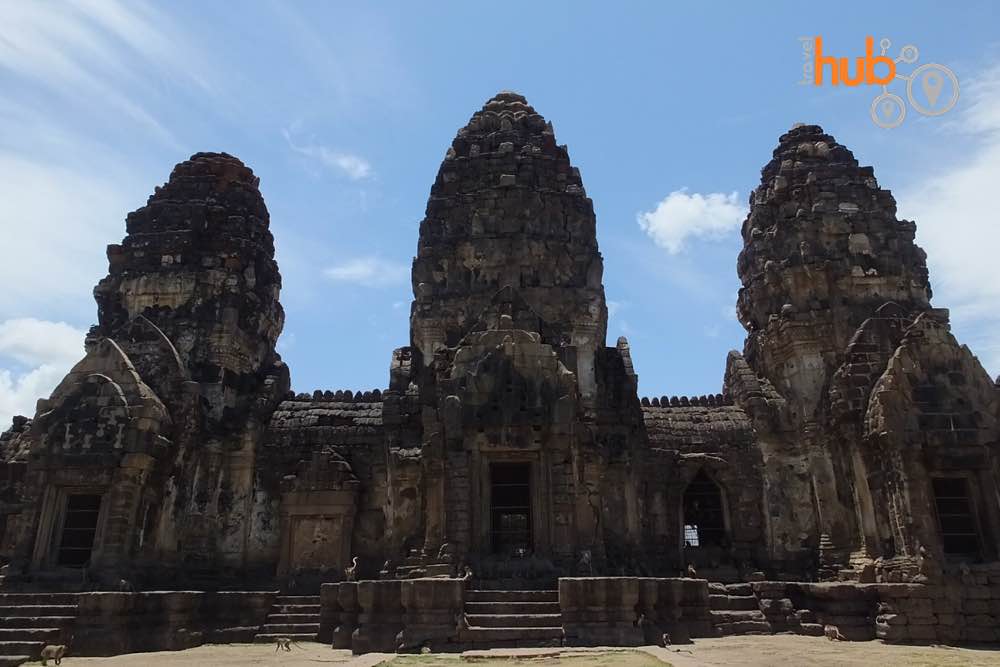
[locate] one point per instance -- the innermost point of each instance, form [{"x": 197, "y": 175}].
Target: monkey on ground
[
  {"x": 53, "y": 652},
  {"x": 283, "y": 644},
  {"x": 832, "y": 632}
]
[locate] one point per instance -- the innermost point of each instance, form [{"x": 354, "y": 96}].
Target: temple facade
[{"x": 853, "y": 438}]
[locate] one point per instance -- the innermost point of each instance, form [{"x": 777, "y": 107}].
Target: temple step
[
  {"x": 512, "y": 608},
  {"x": 732, "y": 602},
  {"x": 33, "y": 649},
  {"x": 21, "y": 599},
  {"x": 48, "y": 635},
  {"x": 297, "y": 600},
  {"x": 515, "y": 620},
  {"x": 289, "y": 629},
  {"x": 293, "y": 616},
  {"x": 485, "y": 635},
  {"x": 13, "y": 660},
  {"x": 29, "y": 621},
  {"x": 295, "y": 609},
  {"x": 34, "y": 621},
  {"x": 264, "y": 638},
  {"x": 38, "y": 610},
  {"x": 512, "y": 618},
  {"x": 511, "y": 596},
  {"x": 736, "y": 616}
]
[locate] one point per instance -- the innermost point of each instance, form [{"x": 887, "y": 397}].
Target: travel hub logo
[{"x": 931, "y": 89}]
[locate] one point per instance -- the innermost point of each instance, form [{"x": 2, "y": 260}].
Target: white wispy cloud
[
  {"x": 56, "y": 221},
  {"x": 354, "y": 167},
  {"x": 97, "y": 58},
  {"x": 44, "y": 351},
  {"x": 368, "y": 272},
  {"x": 955, "y": 211},
  {"x": 682, "y": 215}
]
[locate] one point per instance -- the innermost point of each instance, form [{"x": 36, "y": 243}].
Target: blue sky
[{"x": 345, "y": 112}]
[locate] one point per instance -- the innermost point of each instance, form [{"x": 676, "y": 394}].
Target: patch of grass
[{"x": 567, "y": 659}]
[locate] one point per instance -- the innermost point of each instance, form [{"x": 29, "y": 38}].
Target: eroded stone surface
[{"x": 820, "y": 458}]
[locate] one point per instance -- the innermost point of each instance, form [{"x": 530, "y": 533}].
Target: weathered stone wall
[
  {"x": 392, "y": 615},
  {"x": 851, "y": 397},
  {"x": 115, "y": 623},
  {"x": 958, "y": 609},
  {"x": 689, "y": 436},
  {"x": 163, "y": 416},
  {"x": 632, "y": 611}
]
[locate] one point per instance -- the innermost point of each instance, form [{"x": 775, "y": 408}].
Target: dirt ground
[
  {"x": 569, "y": 658},
  {"x": 751, "y": 651},
  {"x": 795, "y": 650}
]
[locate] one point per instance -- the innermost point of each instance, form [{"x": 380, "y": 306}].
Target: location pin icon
[{"x": 932, "y": 84}]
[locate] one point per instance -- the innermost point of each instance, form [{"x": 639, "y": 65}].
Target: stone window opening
[
  {"x": 79, "y": 530},
  {"x": 956, "y": 519},
  {"x": 704, "y": 517}
]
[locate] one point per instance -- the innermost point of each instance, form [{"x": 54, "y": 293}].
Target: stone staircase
[
  {"x": 507, "y": 619},
  {"x": 735, "y": 611},
  {"x": 292, "y": 616},
  {"x": 417, "y": 565},
  {"x": 29, "y": 621}
]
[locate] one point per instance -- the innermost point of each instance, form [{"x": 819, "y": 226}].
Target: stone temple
[{"x": 853, "y": 440}]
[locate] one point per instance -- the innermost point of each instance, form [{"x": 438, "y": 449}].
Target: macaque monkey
[{"x": 53, "y": 652}]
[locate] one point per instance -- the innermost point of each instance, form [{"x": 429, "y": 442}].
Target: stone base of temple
[{"x": 445, "y": 614}]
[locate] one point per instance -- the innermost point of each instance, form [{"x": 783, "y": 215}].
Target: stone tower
[
  {"x": 198, "y": 263},
  {"x": 521, "y": 402},
  {"x": 823, "y": 250},
  {"x": 155, "y": 432},
  {"x": 508, "y": 209}
]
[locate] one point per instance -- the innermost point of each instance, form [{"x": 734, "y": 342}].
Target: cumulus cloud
[
  {"x": 954, "y": 208},
  {"x": 683, "y": 215},
  {"x": 354, "y": 167},
  {"x": 34, "y": 357},
  {"x": 368, "y": 272}
]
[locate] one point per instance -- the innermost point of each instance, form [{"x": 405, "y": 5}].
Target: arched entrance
[{"x": 704, "y": 517}]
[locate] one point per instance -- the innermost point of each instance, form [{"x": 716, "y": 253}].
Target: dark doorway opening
[
  {"x": 79, "y": 530},
  {"x": 704, "y": 523},
  {"x": 959, "y": 533},
  {"x": 510, "y": 496}
]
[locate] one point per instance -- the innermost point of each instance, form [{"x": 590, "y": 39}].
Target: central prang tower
[
  {"x": 524, "y": 417},
  {"x": 509, "y": 210}
]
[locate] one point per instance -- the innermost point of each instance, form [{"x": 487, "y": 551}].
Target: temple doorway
[
  {"x": 704, "y": 518},
  {"x": 510, "y": 508},
  {"x": 79, "y": 530},
  {"x": 957, "y": 521}
]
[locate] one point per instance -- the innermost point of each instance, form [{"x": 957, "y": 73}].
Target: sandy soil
[
  {"x": 795, "y": 650},
  {"x": 752, "y": 651},
  {"x": 306, "y": 653},
  {"x": 569, "y": 658}
]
